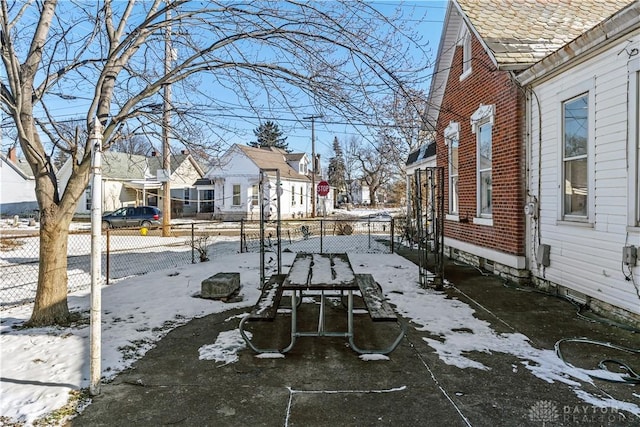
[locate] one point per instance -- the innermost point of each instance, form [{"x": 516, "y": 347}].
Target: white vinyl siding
[{"x": 586, "y": 250}]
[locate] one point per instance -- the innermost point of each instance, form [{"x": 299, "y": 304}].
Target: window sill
[
  {"x": 466, "y": 74},
  {"x": 452, "y": 217},
  {"x": 575, "y": 223},
  {"x": 483, "y": 221}
]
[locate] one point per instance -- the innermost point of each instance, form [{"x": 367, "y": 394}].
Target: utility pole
[
  {"x": 95, "y": 336},
  {"x": 313, "y": 163},
  {"x": 166, "y": 122}
]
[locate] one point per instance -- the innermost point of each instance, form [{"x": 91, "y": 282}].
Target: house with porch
[
  {"x": 133, "y": 180},
  {"x": 229, "y": 191}
]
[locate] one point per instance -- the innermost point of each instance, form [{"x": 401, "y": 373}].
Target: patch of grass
[
  {"x": 8, "y": 244},
  {"x": 78, "y": 400},
  {"x": 8, "y": 422},
  {"x": 77, "y": 319}
]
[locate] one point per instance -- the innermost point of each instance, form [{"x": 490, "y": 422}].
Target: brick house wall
[{"x": 486, "y": 85}]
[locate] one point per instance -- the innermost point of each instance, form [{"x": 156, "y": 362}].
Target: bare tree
[
  {"x": 374, "y": 164},
  {"x": 405, "y": 129},
  {"x": 109, "y": 57},
  {"x": 132, "y": 144}
]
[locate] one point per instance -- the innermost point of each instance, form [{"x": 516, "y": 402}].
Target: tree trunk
[{"x": 51, "y": 298}]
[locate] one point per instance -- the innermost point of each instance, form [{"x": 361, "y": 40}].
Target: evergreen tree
[
  {"x": 269, "y": 135},
  {"x": 336, "y": 172}
]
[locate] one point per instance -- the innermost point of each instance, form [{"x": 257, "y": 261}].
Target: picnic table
[{"x": 313, "y": 273}]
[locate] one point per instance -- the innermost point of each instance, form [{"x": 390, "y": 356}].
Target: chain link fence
[
  {"x": 128, "y": 252},
  {"x": 369, "y": 235}
]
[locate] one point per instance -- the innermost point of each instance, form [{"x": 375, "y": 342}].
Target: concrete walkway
[{"x": 322, "y": 382}]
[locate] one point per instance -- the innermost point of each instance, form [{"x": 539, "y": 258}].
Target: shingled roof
[
  {"x": 515, "y": 33},
  {"x": 272, "y": 158},
  {"x": 519, "y": 33}
]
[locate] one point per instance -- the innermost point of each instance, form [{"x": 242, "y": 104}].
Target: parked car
[{"x": 139, "y": 216}]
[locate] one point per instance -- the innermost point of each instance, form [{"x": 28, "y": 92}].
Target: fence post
[
  {"x": 393, "y": 227},
  {"x": 193, "y": 243},
  {"x": 108, "y": 257},
  {"x": 321, "y": 235},
  {"x": 241, "y": 232}
]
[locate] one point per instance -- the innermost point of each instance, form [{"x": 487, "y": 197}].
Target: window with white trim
[
  {"x": 254, "y": 195},
  {"x": 482, "y": 125},
  {"x": 636, "y": 123},
  {"x": 575, "y": 166},
  {"x": 87, "y": 198},
  {"x": 634, "y": 141},
  {"x": 485, "y": 166},
  {"x": 452, "y": 138},
  {"x": 466, "y": 54},
  {"x": 293, "y": 195},
  {"x": 236, "y": 199},
  {"x": 187, "y": 196},
  {"x": 301, "y": 195}
]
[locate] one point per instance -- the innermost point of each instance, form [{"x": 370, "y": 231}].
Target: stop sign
[{"x": 323, "y": 188}]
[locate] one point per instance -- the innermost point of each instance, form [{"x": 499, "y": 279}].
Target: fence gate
[{"x": 427, "y": 218}]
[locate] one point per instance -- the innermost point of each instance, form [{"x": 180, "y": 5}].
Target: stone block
[{"x": 222, "y": 286}]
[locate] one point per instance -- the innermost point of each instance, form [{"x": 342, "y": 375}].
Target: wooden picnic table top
[{"x": 321, "y": 272}]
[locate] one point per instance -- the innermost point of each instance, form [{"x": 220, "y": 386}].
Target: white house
[
  {"x": 583, "y": 152},
  {"x": 233, "y": 184},
  {"x": 17, "y": 186}
]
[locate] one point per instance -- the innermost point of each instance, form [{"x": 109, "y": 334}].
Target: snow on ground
[{"x": 41, "y": 366}]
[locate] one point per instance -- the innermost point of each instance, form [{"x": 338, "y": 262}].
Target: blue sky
[
  {"x": 428, "y": 17},
  {"x": 424, "y": 16}
]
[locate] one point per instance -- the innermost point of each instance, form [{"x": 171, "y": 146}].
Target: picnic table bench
[
  {"x": 377, "y": 305},
  {"x": 321, "y": 272}
]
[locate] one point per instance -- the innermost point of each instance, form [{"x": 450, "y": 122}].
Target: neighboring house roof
[
  {"x": 521, "y": 32},
  {"x": 21, "y": 167},
  {"x": 176, "y": 160},
  {"x": 422, "y": 153},
  {"x": 124, "y": 166},
  {"x": 294, "y": 157},
  {"x": 515, "y": 35},
  {"x": 267, "y": 158}
]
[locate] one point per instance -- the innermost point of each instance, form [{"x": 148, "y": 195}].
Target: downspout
[{"x": 539, "y": 184}]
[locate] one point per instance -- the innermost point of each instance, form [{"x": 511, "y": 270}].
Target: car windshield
[{"x": 119, "y": 212}]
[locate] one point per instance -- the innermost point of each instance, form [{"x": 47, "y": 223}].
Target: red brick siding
[{"x": 486, "y": 85}]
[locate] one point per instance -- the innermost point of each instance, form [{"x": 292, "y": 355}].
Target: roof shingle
[{"x": 522, "y": 32}]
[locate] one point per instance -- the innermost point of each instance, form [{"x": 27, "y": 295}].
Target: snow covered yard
[{"x": 43, "y": 368}]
